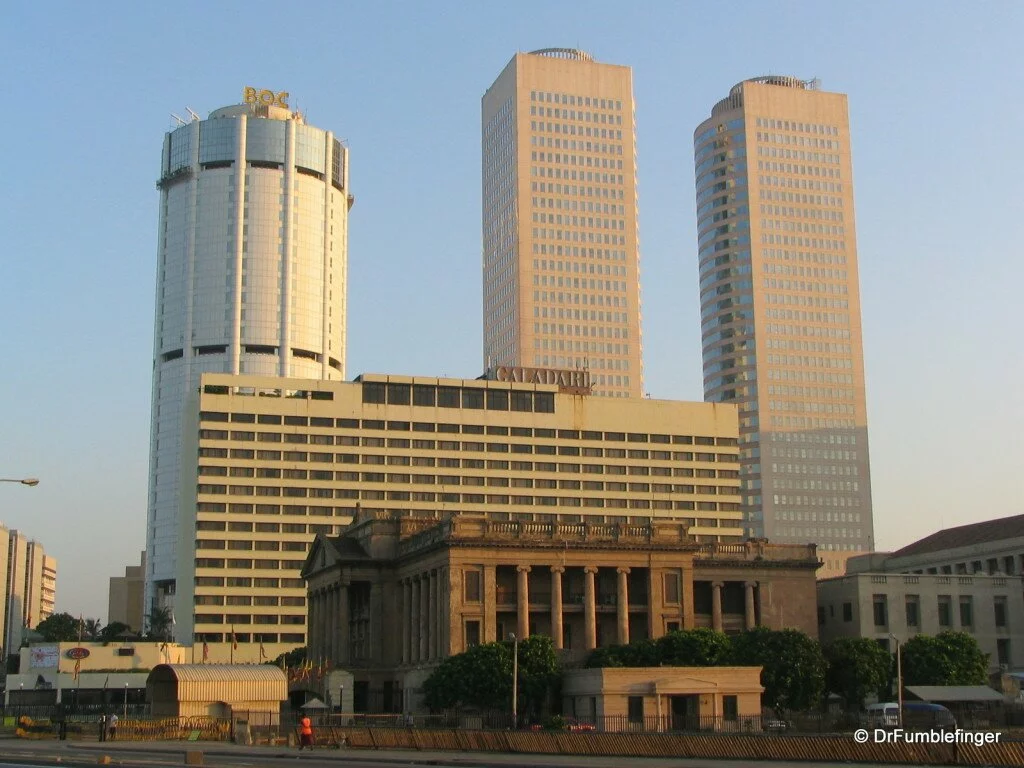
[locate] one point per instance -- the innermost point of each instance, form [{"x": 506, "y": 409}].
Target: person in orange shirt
[{"x": 305, "y": 733}]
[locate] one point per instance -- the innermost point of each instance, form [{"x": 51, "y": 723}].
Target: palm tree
[
  {"x": 91, "y": 629},
  {"x": 160, "y": 621}
]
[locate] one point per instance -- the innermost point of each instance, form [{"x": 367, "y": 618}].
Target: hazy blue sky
[{"x": 937, "y": 118}]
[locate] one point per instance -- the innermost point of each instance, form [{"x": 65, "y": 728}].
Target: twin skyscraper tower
[{"x": 252, "y": 272}]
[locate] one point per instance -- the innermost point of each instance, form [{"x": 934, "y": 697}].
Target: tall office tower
[
  {"x": 780, "y": 309},
  {"x": 28, "y": 587},
  {"x": 251, "y": 276},
  {"x": 561, "y": 264}
]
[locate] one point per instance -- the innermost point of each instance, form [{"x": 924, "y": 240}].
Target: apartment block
[{"x": 28, "y": 578}]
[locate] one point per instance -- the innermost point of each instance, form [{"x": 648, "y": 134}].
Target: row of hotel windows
[
  {"x": 243, "y": 564},
  {"x": 450, "y": 445},
  {"x": 290, "y": 638},
  {"x": 479, "y": 498},
  {"x": 516, "y": 466},
  {"x": 398, "y": 394},
  {"x": 453, "y": 445},
  {"x": 572, "y": 114}
]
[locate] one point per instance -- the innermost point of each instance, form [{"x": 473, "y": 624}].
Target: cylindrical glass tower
[{"x": 251, "y": 278}]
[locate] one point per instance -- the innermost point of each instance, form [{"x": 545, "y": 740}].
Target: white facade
[{"x": 251, "y": 278}]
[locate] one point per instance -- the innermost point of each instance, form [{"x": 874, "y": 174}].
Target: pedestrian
[
  {"x": 112, "y": 728},
  {"x": 103, "y": 726},
  {"x": 305, "y": 733}
]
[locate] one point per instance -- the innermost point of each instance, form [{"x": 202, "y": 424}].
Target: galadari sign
[
  {"x": 565, "y": 379},
  {"x": 76, "y": 653}
]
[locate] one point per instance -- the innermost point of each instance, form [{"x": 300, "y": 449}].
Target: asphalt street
[{"x": 24, "y": 754}]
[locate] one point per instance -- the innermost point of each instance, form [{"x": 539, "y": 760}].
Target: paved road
[{"x": 32, "y": 754}]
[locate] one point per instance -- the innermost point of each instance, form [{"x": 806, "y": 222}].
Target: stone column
[
  {"x": 406, "y": 621},
  {"x": 313, "y": 619},
  {"x": 432, "y": 616},
  {"x": 523, "y": 601},
  {"x": 622, "y": 606},
  {"x": 556, "y": 606},
  {"x": 335, "y": 654},
  {"x": 716, "y": 605},
  {"x": 749, "y": 614},
  {"x": 490, "y": 605},
  {"x": 424, "y": 616},
  {"x": 589, "y": 607},
  {"x": 414, "y": 622},
  {"x": 343, "y": 627}
]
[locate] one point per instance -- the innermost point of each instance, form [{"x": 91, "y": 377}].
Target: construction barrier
[{"x": 830, "y": 748}]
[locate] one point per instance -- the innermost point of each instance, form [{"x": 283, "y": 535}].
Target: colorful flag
[
  {"x": 263, "y": 653},
  {"x": 78, "y": 666},
  {"x": 206, "y": 652},
  {"x": 234, "y": 642}
]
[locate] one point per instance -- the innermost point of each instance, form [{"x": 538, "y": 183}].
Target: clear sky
[{"x": 937, "y": 118}]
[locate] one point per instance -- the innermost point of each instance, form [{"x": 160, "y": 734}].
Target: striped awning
[{"x": 223, "y": 682}]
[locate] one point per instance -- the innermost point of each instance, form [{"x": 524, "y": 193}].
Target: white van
[{"x": 885, "y": 715}]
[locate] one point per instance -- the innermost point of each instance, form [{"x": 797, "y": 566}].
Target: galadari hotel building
[{"x": 271, "y": 462}]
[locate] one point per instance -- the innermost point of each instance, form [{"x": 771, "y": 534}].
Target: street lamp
[
  {"x": 899, "y": 678},
  {"x": 30, "y": 481},
  {"x": 341, "y": 699},
  {"x": 515, "y": 679},
  {"x": 126, "y": 701}
]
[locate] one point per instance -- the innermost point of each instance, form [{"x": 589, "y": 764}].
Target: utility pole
[{"x": 515, "y": 679}]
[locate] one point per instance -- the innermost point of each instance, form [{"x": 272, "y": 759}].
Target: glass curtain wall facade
[
  {"x": 780, "y": 309},
  {"x": 251, "y": 278}
]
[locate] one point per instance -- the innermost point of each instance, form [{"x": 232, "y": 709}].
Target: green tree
[
  {"x": 159, "y": 621},
  {"x": 856, "y": 666},
  {"x": 113, "y": 632},
  {"x": 700, "y": 647},
  {"x": 793, "y": 668},
  {"x": 91, "y": 629},
  {"x": 948, "y": 658},
  {"x": 640, "y": 654},
  {"x": 292, "y": 659},
  {"x": 538, "y": 672},
  {"x": 59, "y": 628},
  {"x": 482, "y": 677}
]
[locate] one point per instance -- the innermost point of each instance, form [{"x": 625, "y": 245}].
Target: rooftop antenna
[
  {"x": 192, "y": 114},
  {"x": 177, "y": 119}
]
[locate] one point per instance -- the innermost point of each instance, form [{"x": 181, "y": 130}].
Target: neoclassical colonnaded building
[{"x": 392, "y": 596}]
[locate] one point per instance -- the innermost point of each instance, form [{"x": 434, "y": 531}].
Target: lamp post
[
  {"x": 515, "y": 679},
  {"x": 899, "y": 678},
  {"x": 126, "y": 701},
  {"x": 29, "y": 481}
]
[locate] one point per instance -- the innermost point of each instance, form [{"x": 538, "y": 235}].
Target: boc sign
[
  {"x": 265, "y": 97},
  {"x": 76, "y": 653}
]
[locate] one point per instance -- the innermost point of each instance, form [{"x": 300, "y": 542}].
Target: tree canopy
[
  {"x": 481, "y": 677},
  {"x": 60, "y": 628},
  {"x": 793, "y": 673},
  {"x": 856, "y": 666},
  {"x": 948, "y": 658}
]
